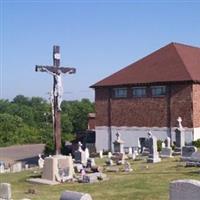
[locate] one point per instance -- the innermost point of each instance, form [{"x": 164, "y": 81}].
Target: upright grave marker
[{"x": 56, "y": 71}]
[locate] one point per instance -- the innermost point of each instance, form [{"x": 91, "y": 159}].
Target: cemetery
[
  {"x": 123, "y": 174},
  {"x": 145, "y": 167}
]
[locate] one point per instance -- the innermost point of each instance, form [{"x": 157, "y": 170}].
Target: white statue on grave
[
  {"x": 58, "y": 85},
  {"x": 40, "y": 161},
  {"x": 80, "y": 146},
  {"x": 87, "y": 153},
  {"x": 149, "y": 134},
  {"x": 180, "y": 123}
]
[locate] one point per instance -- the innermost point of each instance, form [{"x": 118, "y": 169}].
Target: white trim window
[
  {"x": 120, "y": 92},
  {"x": 139, "y": 91},
  {"x": 158, "y": 91}
]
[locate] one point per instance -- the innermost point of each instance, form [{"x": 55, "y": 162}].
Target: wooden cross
[{"x": 56, "y": 71}]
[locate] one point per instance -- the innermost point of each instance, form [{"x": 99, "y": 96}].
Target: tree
[
  {"x": 9, "y": 124},
  {"x": 21, "y": 99}
]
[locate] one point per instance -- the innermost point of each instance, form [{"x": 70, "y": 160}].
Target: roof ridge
[
  {"x": 182, "y": 44},
  {"x": 182, "y": 60}
]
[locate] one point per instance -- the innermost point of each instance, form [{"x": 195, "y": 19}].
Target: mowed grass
[{"x": 146, "y": 182}]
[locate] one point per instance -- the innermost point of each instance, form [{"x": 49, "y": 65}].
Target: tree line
[{"x": 27, "y": 120}]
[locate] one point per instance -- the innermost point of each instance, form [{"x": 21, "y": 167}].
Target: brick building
[{"x": 150, "y": 94}]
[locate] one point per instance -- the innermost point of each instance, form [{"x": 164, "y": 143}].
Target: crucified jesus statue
[
  {"x": 56, "y": 71},
  {"x": 58, "y": 92}
]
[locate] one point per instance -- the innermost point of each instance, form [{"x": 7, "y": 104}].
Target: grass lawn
[{"x": 146, "y": 182}]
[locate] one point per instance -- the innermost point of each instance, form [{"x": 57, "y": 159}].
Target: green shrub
[
  {"x": 196, "y": 143},
  {"x": 159, "y": 145}
]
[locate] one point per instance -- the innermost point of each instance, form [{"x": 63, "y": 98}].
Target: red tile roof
[{"x": 172, "y": 63}]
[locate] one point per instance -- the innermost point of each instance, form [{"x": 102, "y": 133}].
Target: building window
[
  {"x": 120, "y": 92},
  {"x": 139, "y": 91},
  {"x": 158, "y": 91}
]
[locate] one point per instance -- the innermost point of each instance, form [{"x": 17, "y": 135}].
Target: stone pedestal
[
  {"x": 180, "y": 137},
  {"x": 166, "y": 152},
  {"x": 58, "y": 168},
  {"x": 154, "y": 158}
]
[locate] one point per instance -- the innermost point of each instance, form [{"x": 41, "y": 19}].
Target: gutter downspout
[
  {"x": 109, "y": 120},
  {"x": 169, "y": 112}
]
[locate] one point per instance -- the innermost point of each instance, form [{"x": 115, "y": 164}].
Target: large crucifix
[{"x": 56, "y": 71}]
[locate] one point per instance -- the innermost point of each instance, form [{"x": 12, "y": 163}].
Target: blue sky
[{"x": 96, "y": 37}]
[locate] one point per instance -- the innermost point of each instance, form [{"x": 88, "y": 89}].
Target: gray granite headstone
[
  {"x": 5, "y": 191},
  {"x": 187, "y": 151},
  {"x": 180, "y": 138},
  {"x": 153, "y": 156},
  {"x": 166, "y": 152},
  {"x": 180, "y": 135},
  {"x": 80, "y": 155},
  {"x": 70, "y": 195},
  {"x": 168, "y": 142},
  {"x": 118, "y": 144},
  {"x": 185, "y": 190},
  {"x": 195, "y": 156}
]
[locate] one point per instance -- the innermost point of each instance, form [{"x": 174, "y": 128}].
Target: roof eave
[{"x": 147, "y": 84}]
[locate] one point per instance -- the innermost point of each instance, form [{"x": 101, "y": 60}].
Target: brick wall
[
  {"x": 196, "y": 105},
  {"x": 101, "y": 106},
  {"x": 181, "y": 105},
  {"x": 147, "y": 111}
]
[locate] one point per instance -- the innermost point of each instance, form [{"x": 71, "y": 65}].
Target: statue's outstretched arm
[{"x": 52, "y": 73}]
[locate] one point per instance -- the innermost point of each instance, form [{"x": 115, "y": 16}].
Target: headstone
[
  {"x": 5, "y": 191},
  {"x": 180, "y": 135},
  {"x": 94, "y": 177},
  {"x": 87, "y": 153},
  {"x": 195, "y": 156},
  {"x": 168, "y": 142},
  {"x": 58, "y": 168},
  {"x": 26, "y": 166},
  {"x": 180, "y": 138},
  {"x": 118, "y": 144},
  {"x": 2, "y": 167},
  {"x": 185, "y": 190},
  {"x": 91, "y": 163},
  {"x": 166, "y": 151},
  {"x": 78, "y": 167},
  {"x": 187, "y": 151},
  {"x": 112, "y": 169},
  {"x": 109, "y": 154},
  {"x": 16, "y": 167},
  {"x": 65, "y": 168},
  {"x": 145, "y": 151},
  {"x": 127, "y": 167},
  {"x": 163, "y": 145},
  {"x": 119, "y": 158},
  {"x": 80, "y": 155},
  {"x": 50, "y": 169},
  {"x": 133, "y": 155},
  {"x": 70, "y": 195},
  {"x": 40, "y": 161},
  {"x": 130, "y": 151},
  {"x": 109, "y": 162},
  {"x": 100, "y": 154},
  {"x": 153, "y": 156}
]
